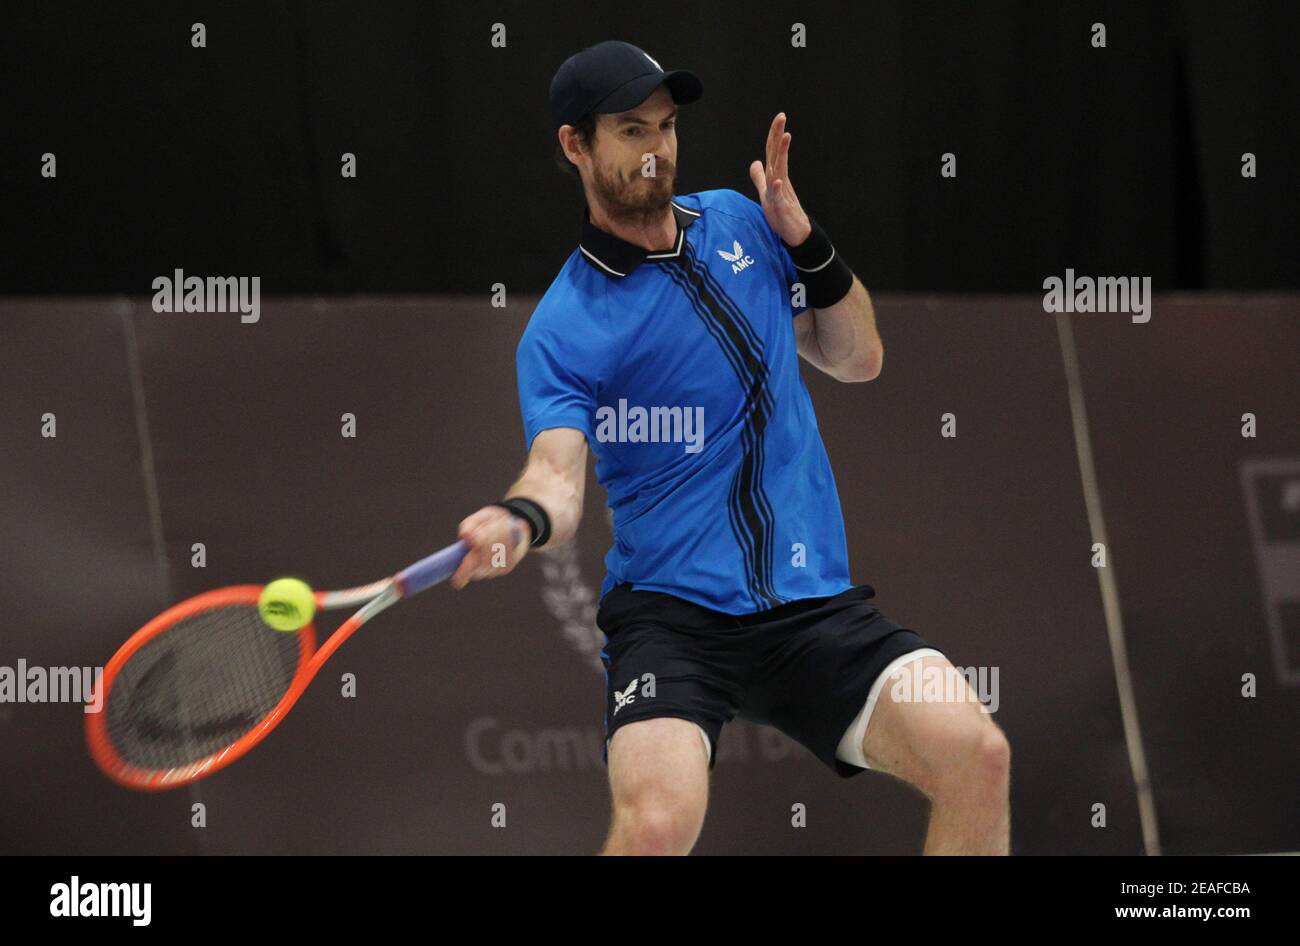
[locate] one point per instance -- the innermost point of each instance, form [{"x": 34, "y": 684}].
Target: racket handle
[{"x": 437, "y": 567}]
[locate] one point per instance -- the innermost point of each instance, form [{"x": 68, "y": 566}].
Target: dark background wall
[
  {"x": 226, "y": 159},
  {"x": 489, "y": 695}
]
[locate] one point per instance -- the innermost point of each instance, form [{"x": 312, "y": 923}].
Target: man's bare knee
[
  {"x": 975, "y": 759},
  {"x": 657, "y": 828},
  {"x": 659, "y": 782},
  {"x": 993, "y": 757}
]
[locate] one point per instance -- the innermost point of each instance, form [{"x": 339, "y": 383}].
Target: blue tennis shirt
[{"x": 681, "y": 369}]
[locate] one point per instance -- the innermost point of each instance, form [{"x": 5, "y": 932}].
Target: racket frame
[{"x": 371, "y": 599}]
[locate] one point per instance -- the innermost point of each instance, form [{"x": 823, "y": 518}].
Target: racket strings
[{"x": 199, "y": 686}]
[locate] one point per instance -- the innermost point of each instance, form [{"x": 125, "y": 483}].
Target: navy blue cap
[{"x": 614, "y": 77}]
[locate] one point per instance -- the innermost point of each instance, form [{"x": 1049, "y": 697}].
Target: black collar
[{"x": 615, "y": 257}]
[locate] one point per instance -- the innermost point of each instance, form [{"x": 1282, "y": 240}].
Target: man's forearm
[
  {"x": 553, "y": 492},
  {"x": 847, "y": 337}
]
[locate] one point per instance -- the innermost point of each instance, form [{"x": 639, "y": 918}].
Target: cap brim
[{"x": 685, "y": 87}]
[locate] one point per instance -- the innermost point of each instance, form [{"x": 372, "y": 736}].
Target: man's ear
[
  {"x": 561, "y": 138},
  {"x": 578, "y": 147}
]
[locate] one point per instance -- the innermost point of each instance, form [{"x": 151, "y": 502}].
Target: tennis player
[{"x": 669, "y": 345}]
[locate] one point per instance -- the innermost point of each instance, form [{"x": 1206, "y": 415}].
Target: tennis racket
[{"x": 207, "y": 680}]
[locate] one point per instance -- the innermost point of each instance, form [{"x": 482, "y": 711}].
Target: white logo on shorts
[{"x": 627, "y": 696}]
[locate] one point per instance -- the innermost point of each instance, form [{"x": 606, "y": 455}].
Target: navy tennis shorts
[{"x": 805, "y": 667}]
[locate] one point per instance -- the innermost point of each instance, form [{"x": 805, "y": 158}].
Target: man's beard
[{"x": 635, "y": 201}]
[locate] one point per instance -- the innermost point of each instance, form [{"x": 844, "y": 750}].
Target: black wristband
[
  {"x": 825, "y": 275},
  {"x": 533, "y": 514}
]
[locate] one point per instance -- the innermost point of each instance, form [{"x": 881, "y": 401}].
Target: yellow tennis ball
[{"x": 287, "y": 604}]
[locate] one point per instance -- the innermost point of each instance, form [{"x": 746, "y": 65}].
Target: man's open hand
[{"x": 784, "y": 213}]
